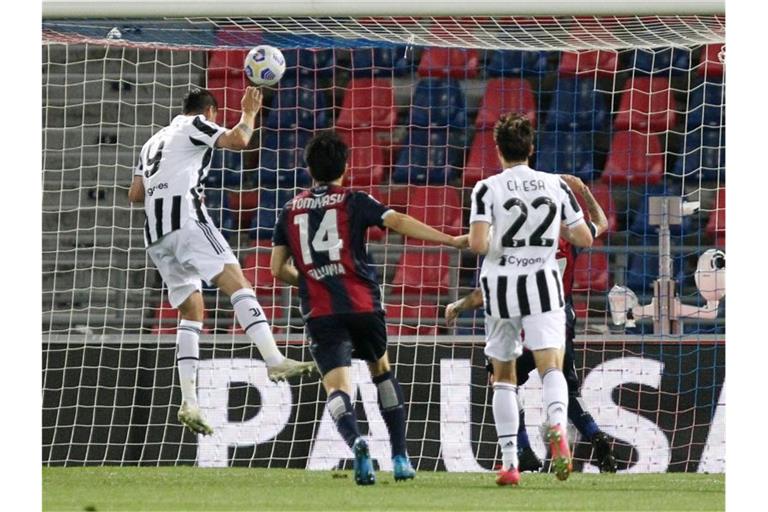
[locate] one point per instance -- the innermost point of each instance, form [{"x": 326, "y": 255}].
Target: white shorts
[
  {"x": 188, "y": 255},
  {"x": 503, "y": 336}
]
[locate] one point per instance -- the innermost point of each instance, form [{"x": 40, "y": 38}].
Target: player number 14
[{"x": 326, "y": 237}]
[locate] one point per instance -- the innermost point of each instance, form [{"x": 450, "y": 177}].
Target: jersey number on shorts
[
  {"x": 326, "y": 237},
  {"x": 509, "y": 240}
]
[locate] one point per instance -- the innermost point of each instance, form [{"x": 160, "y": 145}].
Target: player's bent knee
[
  {"x": 193, "y": 308},
  {"x": 380, "y": 366}
]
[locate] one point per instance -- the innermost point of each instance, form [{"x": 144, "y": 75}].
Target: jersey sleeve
[
  {"x": 572, "y": 213},
  {"x": 482, "y": 204},
  {"x": 280, "y": 236},
  {"x": 139, "y": 169},
  {"x": 204, "y": 132},
  {"x": 371, "y": 210}
]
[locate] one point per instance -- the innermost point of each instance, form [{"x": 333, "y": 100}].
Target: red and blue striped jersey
[{"x": 324, "y": 229}]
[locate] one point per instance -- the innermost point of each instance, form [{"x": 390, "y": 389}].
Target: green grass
[{"x": 189, "y": 488}]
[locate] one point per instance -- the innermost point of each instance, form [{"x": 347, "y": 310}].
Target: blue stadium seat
[
  {"x": 674, "y": 61},
  {"x": 704, "y": 155},
  {"x": 706, "y": 105},
  {"x": 217, "y": 205},
  {"x": 517, "y": 63},
  {"x": 427, "y": 158},
  {"x": 643, "y": 270},
  {"x": 383, "y": 62},
  {"x": 566, "y": 152},
  {"x": 303, "y": 63},
  {"x": 641, "y": 227},
  {"x": 438, "y": 102},
  {"x": 577, "y": 106},
  {"x": 270, "y": 204},
  {"x": 298, "y": 105},
  {"x": 281, "y": 159},
  {"x": 229, "y": 166}
]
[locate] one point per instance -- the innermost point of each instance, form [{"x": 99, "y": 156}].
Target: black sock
[
  {"x": 581, "y": 419},
  {"x": 392, "y": 408},
  {"x": 522, "y": 434},
  {"x": 344, "y": 415}
]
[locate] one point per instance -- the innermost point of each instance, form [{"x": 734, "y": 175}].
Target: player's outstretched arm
[
  {"x": 410, "y": 227},
  {"x": 280, "y": 266},
  {"x": 472, "y": 301},
  {"x": 239, "y": 137},
  {"x": 596, "y": 213}
]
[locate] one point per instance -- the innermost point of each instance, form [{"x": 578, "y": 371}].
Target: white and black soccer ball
[{"x": 264, "y": 65}]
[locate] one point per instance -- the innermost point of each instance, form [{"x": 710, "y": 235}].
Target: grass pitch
[{"x": 189, "y": 489}]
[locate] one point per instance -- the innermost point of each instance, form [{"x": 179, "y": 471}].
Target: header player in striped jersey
[
  {"x": 186, "y": 246},
  {"x": 581, "y": 419},
  {"x": 515, "y": 222},
  {"x": 323, "y": 230}
]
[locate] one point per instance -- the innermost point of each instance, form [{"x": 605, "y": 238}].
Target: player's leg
[
  {"x": 545, "y": 336},
  {"x": 369, "y": 339},
  {"x": 331, "y": 348},
  {"x": 502, "y": 347},
  {"x": 528, "y": 460}
]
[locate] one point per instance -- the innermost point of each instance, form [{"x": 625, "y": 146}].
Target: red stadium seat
[
  {"x": 439, "y": 207},
  {"x": 256, "y": 267},
  {"x": 421, "y": 270},
  {"x": 590, "y": 62},
  {"x": 483, "y": 160},
  {"x": 590, "y": 272},
  {"x": 711, "y": 67},
  {"x": 243, "y": 205},
  {"x": 504, "y": 95},
  {"x": 226, "y": 62},
  {"x": 367, "y": 158},
  {"x": 407, "y": 320},
  {"x": 716, "y": 222},
  {"x": 634, "y": 159},
  {"x": 602, "y": 193},
  {"x": 228, "y": 91},
  {"x": 449, "y": 63},
  {"x": 646, "y": 106},
  {"x": 368, "y": 103},
  {"x": 166, "y": 319}
]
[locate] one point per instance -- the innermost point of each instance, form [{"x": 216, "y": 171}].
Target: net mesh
[{"x": 633, "y": 106}]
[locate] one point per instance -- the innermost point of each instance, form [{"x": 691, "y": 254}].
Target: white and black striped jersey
[
  {"x": 525, "y": 208},
  {"x": 173, "y": 164}
]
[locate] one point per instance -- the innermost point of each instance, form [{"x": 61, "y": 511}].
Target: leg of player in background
[
  {"x": 187, "y": 360},
  {"x": 251, "y": 318},
  {"x": 392, "y": 406},
  {"x": 549, "y": 362},
  {"x": 506, "y": 417}
]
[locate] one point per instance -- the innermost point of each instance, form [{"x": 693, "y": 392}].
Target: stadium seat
[
  {"x": 298, "y": 105},
  {"x": 408, "y": 320},
  {"x": 504, "y": 95},
  {"x": 165, "y": 319},
  {"x": 217, "y": 205},
  {"x": 384, "y": 62},
  {"x": 517, "y": 63},
  {"x": 308, "y": 64},
  {"x": 256, "y": 268},
  {"x": 635, "y": 159},
  {"x": 646, "y": 105},
  {"x": 230, "y": 163},
  {"x": 243, "y": 204},
  {"x": 666, "y": 61},
  {"x": 427, "y": 158},
  {"x": 598, "y": 63},
  {"x": 422, "y": 270},
  {"x": 640, "y": 225},
  {"x": 281, "y": 159},
  {"x": 576, "y": 105},
  {"x": 228, "y": 90},
  {"x": 438, "y": 103},
  {"x": 590, "y": 272},
  {"x": 716, "y": 223},
  {"x": 704, "y": 155},
  {"x": 438, "y": 62},
  {"x": 643, "y": 270},
  {"x": 368, "y": 103},
  {"x": 226, "y": 62},
  {"x": 439, "y": 207},
  {"x": 710, "y": 66},
  {"x": 367, "y": 157},
  {"x": 706, "y": 106},
  {"x": 270, "y": 204},
  {"x": 604, "y": 198},
  {"x": 483, "y": 160},
  {"x": 565, "y": 152}
]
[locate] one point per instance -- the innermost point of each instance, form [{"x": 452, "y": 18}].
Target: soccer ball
[{"x": 264, "y": 65}]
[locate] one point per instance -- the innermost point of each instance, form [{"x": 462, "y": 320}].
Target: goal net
[{"x": 633, "y": 105}]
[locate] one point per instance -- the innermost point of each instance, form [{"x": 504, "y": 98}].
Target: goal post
[{"x": 629, "y": 96}]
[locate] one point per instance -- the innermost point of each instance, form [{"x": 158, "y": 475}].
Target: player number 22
[
  {"x": 509, "y": 240},
  {"x": 326, "y": 237}
]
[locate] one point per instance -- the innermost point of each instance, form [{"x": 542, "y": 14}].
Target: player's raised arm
[
  {"x": 596, "y": 214},
  {"x": 471, "y": 301},
  {"x": 410, "y": 227},
  {"x": 578, "y": 233},
  {"x": 239, "y": 137}
]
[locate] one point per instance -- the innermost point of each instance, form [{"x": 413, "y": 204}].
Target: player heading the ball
[
  {"x": 184, "y": 243},
  {"x": 323, "y": 229}
]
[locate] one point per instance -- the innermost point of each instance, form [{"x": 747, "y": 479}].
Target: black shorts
[{"x": 336, "y": 339}]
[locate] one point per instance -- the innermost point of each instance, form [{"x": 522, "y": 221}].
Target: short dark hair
[
  {"x": 326, "y": 155},
  {"x": 197, "y": 101},
  {"x": 513, "y": 134}
]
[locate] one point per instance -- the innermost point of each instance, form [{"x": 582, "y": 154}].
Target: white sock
[
  {"x": 555, "y": 397},
  {"x": 254, "y": 322},
  {"x": 188, "y": 357},
  {"x": 506, "y": 416}
]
